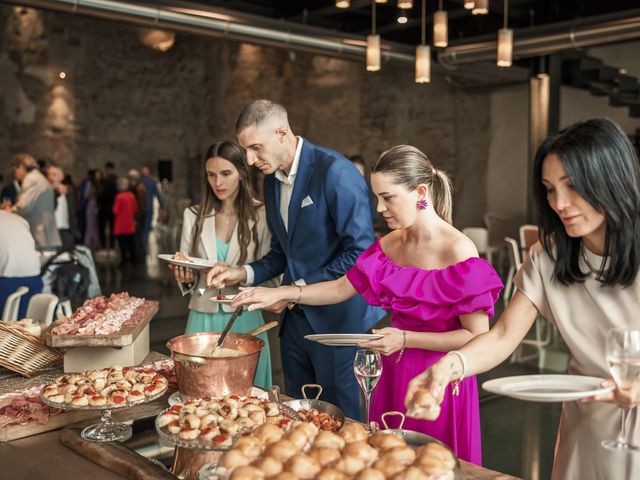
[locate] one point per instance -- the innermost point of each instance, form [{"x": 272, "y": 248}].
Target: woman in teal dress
[{"x": 229, "y": 225}]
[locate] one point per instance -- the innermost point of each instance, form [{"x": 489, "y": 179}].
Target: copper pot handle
[
  {"x": 178, "y": 357},
  {"x": 311, "y": 385},
  {"x": 384, "y": 416}
]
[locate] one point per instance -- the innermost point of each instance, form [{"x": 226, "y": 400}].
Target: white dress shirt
[
  {"x": 18, "y": 254},
  {"x": 62, "y": 213},
  {"x": 287, "y": 182}
]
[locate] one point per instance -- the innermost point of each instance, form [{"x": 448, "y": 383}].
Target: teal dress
[{"x": 215, "y": 322}]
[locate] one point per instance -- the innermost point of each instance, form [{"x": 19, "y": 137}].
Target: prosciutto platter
[{"x": 104, "y": 321}]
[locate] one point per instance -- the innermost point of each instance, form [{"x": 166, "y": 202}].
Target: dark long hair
[
  {"x": 410, "y": 167},
  {"x": 603, "y": 167},
  {"x": 245, "y": 203}
]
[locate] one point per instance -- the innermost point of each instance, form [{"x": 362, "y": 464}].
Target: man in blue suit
[{"x": 318, "y": 213}]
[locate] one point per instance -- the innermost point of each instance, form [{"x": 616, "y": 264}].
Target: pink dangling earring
[{"x": 422, "y": 204}]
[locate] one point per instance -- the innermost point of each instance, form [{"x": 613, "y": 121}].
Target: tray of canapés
[
  {"x": 110, "y": 388},
  {"x": 214, "y": 423},
  {"x": 305, "y": 452}
]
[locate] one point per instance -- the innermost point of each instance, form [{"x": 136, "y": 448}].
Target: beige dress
[{"x": 583, "y": 313}]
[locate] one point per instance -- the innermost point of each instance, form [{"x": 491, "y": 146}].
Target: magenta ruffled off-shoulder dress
[{"x": 428, "y": 301}]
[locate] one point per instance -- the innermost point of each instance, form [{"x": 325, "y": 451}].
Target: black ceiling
[{"x": 462, "y": 24}]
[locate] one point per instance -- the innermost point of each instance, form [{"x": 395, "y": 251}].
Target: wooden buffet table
[{"x": 44, "y": 457}]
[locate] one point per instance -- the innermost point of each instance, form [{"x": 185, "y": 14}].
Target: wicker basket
[{"x": 23, "y": 353}]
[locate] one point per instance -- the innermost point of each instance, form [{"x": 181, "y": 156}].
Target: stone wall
[{"x": 121, "y": 101}]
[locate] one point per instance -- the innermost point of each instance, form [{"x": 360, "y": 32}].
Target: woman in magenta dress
[{"x": 429, "y": 276}]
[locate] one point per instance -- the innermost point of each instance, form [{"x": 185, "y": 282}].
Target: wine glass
[
  {"x": 623, "y": 357},
  {"x": 367, "y": 367}
]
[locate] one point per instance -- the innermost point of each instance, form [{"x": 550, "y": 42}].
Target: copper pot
[
  {"x": 201, "y": 375},
  {"x": 187, "y": 462}
]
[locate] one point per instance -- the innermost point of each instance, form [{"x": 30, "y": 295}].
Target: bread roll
[
  {"x": 388, "y": 466},
  {"x": 281, "y": 450},
  {"x": 233, "y": 459},
  {"x": 411, "y": 473},
  {"x": 436, "y": 451},
  {"x": 362, "y": 450},
  {"x": 423, "y": 406},
  {"x": 269, "y": 465},
  {"x": 386, "y": 440},
  {"x": 303, "y": 466},
  {"x": 326, "y": 439},
  {"x": 354, "y": 432},
  {"x": 332, "y": 474},
  {"x": 349, "y": 465},
  {"x": 250, "y": 446},
  {"x": 370, "y": 474},
  {"x": 297, "y": 438},
  {"x": 435, "y": 468},
  {"x": 247, "y": 473},
  {"x": 268, "y": 433},
  {"x": 284, "y": 476},
  {"x": 324, "y": 456},
  {"x": 404, "y": 455}
]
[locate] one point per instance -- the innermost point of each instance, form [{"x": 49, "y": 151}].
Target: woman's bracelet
[
  {"x": 404, "y": 344},
  {"x": 297, "y": 302},
  {"x": 463, "y": 362}
]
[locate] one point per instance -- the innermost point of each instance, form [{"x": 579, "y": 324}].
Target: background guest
[
  {"x": 65, "y": 212},
  {"x": 140, "y": 192},
  {"x": 153, "y": 193},
  {"x": 105, "y": 205},
  {"x": 9, "y": 191},
  {"x": 19, "y": 260},
  {"x": 36, "y": 202},
  {"x": 125, "y": 208}
]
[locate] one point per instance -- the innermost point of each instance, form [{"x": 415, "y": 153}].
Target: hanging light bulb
[
  {"x": 423, "y": 52},
  {"x": 373, "y": 53},
  {"x": 505, "y": 41},
  {"x": 481, "y": 7},
  {"x": 402, "y": 17},
  {"x": 373, "y": 44},
  {"x": 382, "y": 1},
  {"x": 405, "y": 4},
  {"x": 469, "y": 4},
  {"x": 343, "y": 3},
  {"x": 440, "y": 28}
]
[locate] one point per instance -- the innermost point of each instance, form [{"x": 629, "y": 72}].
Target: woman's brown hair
[
  {"x": 410, "y": 167},
  {"x": 245, "y": 203}
]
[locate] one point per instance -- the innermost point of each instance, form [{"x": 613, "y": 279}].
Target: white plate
[
  {"x": 176, "y": 397},
  {"x": 227, "y": 299},
  {"x": 342, "y": 339},
  {"x": 547, "y": 388},
  {"x": 194, "y": 262}
]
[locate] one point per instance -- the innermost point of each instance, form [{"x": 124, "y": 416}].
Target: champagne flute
[
  {"x": 623, "y": 357},
  {"x": 367, "y": 367}
]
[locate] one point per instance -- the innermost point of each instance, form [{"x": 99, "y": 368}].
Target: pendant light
[
  {"x": 381, "y": 1},
  {"x": 440, "y": 27},
  {"x": 406, "y": 4},
  {"x": 343, "y": 3},
  {"x": 423, "y": 52},
  {"x": 481, "y": 7},
  {"x": 505, "y": 41},
  {"x": 373, "y": 43},
  {"x": 469, "y": 4}
]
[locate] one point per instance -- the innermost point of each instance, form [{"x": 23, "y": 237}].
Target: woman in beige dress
[{"x": 583, "y": 277}]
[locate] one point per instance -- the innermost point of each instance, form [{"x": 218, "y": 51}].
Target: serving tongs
[{"x": 236, "y": 313}]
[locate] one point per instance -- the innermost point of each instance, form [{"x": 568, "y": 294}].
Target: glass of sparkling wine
[
  {"x": 367, "y": 367},
  {"x": 623, "y": 357}
]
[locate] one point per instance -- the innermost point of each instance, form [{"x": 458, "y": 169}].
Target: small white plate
[
  {"x": 547, "y": 388},
  {"x": 343, "y": 339},
  {"x": 227, "y": 299},
  {"x": 193, "y": 262},
  {"x": 176, "y": 397}
]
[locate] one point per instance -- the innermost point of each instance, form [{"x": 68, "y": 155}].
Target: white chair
[
  {"x": 12, "y": 305},
  {"x": 480, "y": 238},
  {"x": 42, "y": 307},
  {"x": 528, "y": 238},
  {"x": 64, "y": 308},
  {"x": 513, "y": 252}
]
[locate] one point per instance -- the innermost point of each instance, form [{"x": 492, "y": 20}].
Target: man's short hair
[
  {"x": 259, "y": 112},
  {"x": 52, "y": 164},
  {"x": 24, "y": 160},
  {"x": 109, "y": 165}
]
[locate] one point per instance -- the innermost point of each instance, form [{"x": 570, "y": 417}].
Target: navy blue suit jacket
[{"x": 324, "y": 238}]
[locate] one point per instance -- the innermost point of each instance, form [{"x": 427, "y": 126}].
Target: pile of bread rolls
[{"x": 304, "y": 452}]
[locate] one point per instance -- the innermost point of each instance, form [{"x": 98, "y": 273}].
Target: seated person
[{"x": 19, "y": 260}]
